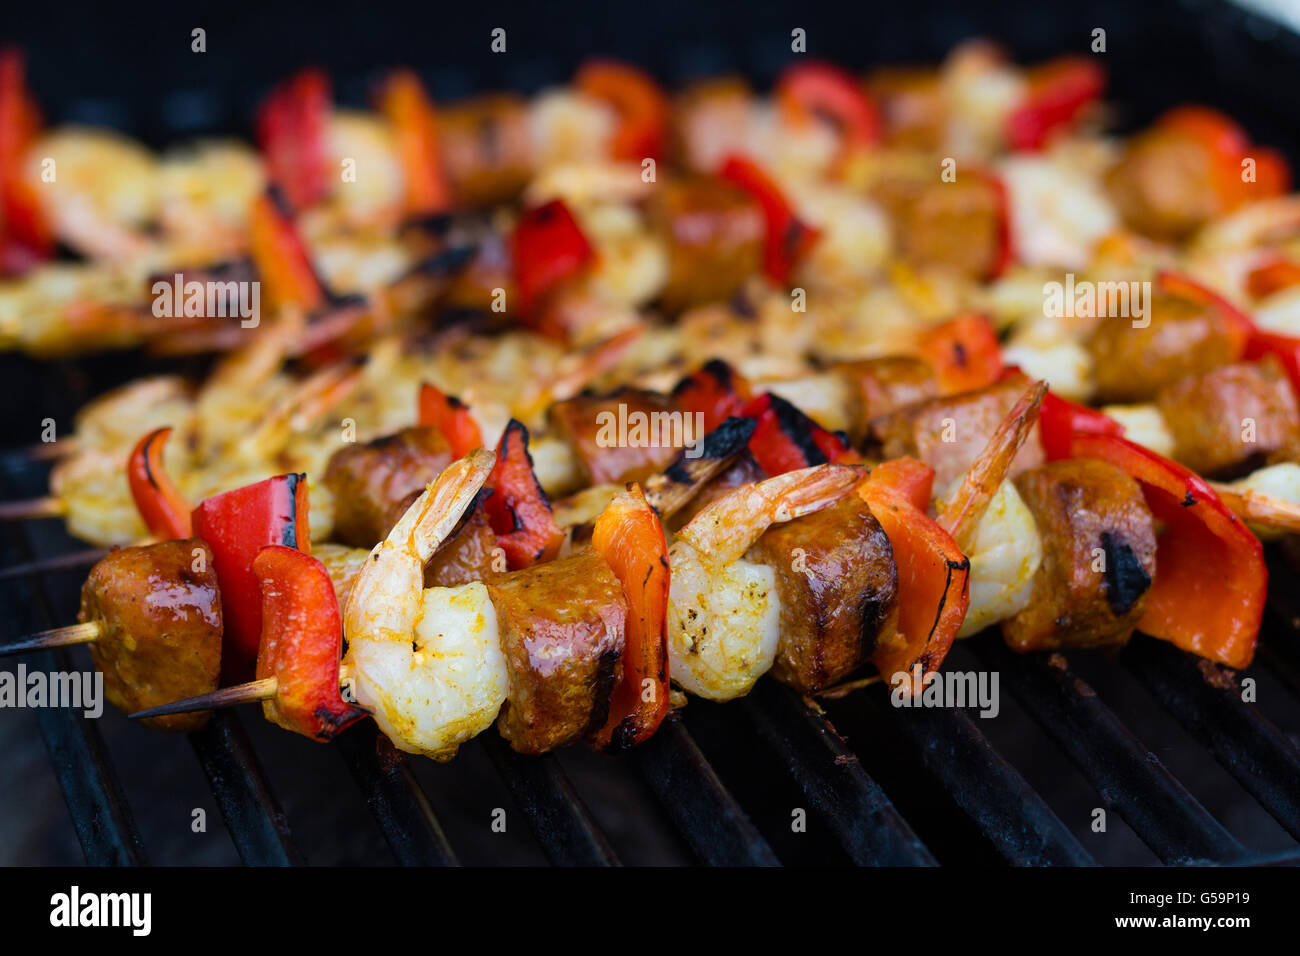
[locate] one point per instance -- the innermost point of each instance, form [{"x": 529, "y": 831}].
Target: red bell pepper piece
[
  {"x": 165, "y": 512},
  {"x": 408, "y": 108},
  {"x": 237, "y": 525},
  {"x": 281, "y": 256},
  {"x": 1006, "y": 257},
  {"x": 547, "y": 247},
  {"x": 933, "y": 574},
  {"x": 629, "y": 535},
  {"x": 452, "y": 417},
  {"x": 641, "y": 104},
  {"x": 964, "y": 353},
  {"x": 1255, "y": 342},
  {"x": 1060, "y": 419},
  {"x": 25, "y": 236},
  {"x": 1058, "y": 92},
  {"x": 1240, "y": 325},
  {"x": 716, "y": 391},
  {"x": 1228, "y": 145},
  {"x": 518, "y": 509},
  {"x": 809, "y": 90},
  {"x": 1286, "y": 348},
  {"x": 786, "y": 439},
  {"x": 302, "y": 639},
  {"x": 1211, "y": 581},
  {"x": 787, "y": 238},
  {"x": 1273, "y": 277},
  {"x": 292, "y": 128}
]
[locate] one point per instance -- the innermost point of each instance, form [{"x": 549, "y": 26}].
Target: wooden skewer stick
[
  {"x": 249, "y": 693},
  {"x": 57, "y": 637},
  {"x": 47, "y": 507},
  {"x": 1268, "y": 510},
  {"x": 47, "y": 450},
  {"x": 225, "y": 697},
  {"x": 62, "y": 562}
]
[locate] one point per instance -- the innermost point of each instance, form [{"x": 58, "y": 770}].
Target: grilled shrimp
[
  {"x": 103, "y": 194},
  {"x": 723, "y": 611},
  {"x": 1004, "y": 558},
  {"x": 428, "y": 664}
]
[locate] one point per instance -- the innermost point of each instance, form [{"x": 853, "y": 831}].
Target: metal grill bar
[
  {"x": 395, "y": 798},
  {"x": 1010, "y": 814},
  {"x": 251, "y": 812},
  {"x": 100, "y": 814},
  {"x": 871, "y": 831},
  {"x": 557, "y": 815},
  {"x": 705, "y": 812},
  {"x": 1206, "y": 700},
  {"x": 1129, "y": 778},
  {"x": 105, "y": 827}
]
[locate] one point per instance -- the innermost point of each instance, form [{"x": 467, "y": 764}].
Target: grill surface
[{"x": 1183, "y": 768}]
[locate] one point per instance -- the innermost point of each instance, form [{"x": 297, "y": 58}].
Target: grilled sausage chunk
[
  {"x": 955, "y": 226},
  {"x": 369, "y": 480},
  {"x": 948, "y": 432},
  {"x": 1163, "y": 184},
  {"x": 1132, "y": 364},
  {"x": 1083, "y": 598},
  {"x": 561, "y": 627},
  {"x": 159, "y": 627},
  {"x": 593, "y": 427},
  {"x": 836, "y": 577},
  {"x": 714, "y": 233},
  {"x": 878, "y": 386},
  {"x": 487, "y": 148},
  {"x": 1231, "y": 418}
]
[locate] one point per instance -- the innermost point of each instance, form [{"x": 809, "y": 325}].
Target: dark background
[{"x": 132, "y": 68}]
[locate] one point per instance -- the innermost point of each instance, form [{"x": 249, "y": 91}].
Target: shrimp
[
  {"x": 428, "y": 664},
  {"x": 723, "y": 611}
]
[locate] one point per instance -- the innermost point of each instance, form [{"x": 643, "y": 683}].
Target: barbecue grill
[{"x": 1158, "y": 746}]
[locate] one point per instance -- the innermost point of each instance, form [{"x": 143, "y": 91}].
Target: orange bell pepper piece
[
  {"x": 1211, "y": 581},
  {"x": 165, "y": 512},
  {"x": 933, "y": 574},
  {"x": 964, "y": 353},
  {"x": 641, "y": 104},
  {"x": 452, "y": 417},
  {"x": 410, "y": 111},
  {"x": 629, "y": 535}
]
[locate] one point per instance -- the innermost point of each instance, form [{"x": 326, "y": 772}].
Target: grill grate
[
  {"x": 881, "y": 785},
  {"x": 772, "y": 728}
]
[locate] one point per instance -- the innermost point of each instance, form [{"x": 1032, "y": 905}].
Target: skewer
[
  {"x": 47, "y": 450},
  {"x": 47, "y": 507},
  {"x": 63, "y": 562},
  {"x": 233, "y": 696},
  {"x": 225, "y": 697},
  {"x": 1260, "y": 508},
  {"x": 55, "y": 637}
]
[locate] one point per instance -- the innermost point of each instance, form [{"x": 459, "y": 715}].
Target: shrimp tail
[
  {"x": 725, "y": 529},
  {"x": 433, "y": 516},
  {"x": 962, "y": 512}
]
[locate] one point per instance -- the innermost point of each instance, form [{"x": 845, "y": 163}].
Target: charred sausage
[
  {"x": 836, "y": 577},
  {"x": 1099, "y": 555},
  {"x": 1231, "y": 418},
  {"x": 561, "y": 627}
]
